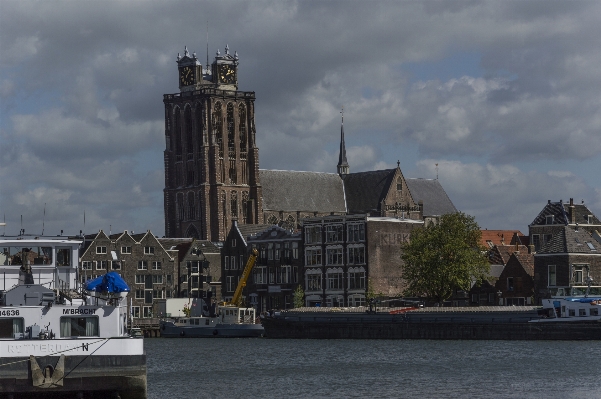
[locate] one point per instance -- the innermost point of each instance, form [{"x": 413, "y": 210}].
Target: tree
[
  {"x": 299, "y": 297},
  {"x": 442, "y": 258}
]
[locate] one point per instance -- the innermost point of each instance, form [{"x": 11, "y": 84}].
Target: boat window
[
  {"x": 79, "y": 326},
  {"x": 16, "y": 255},
  {"x": 594, "y": 312},
  {"x": 581, "y": 312},
  {"x": 572, "y": 312},
  {"x": 207, "y": 321},
  {"x": 10, "y": 327},
  {"x": 63, "y": 256}
]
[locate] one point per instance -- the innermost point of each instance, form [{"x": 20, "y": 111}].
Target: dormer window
[
  {"x": 549, "y": 219},
  {"x": 589, "y": 219}
]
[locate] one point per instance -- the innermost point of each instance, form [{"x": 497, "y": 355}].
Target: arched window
[
  {"x": 177, "y": 134},
  {"x": 199, "y": 114},
  {"x": 188, "y": 124},
  {"x": 217, "y": 119},
  {"x": 245, "y": 207},
  {"x": 191, "y": 206},
  {"x": 234, "y": 204},
  {"x": 192, "y": 232},
  {"x": 180, "y": 206},
  {"x": 230, "y": 129},
  {"x": 242, "y": 127}
]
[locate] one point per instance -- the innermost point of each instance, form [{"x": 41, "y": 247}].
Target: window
[
  {"x": 549, "y": 219},
  {"x": 10, "y": 327},
  {"x": 295, "y": 274},
  {"x": 270, "y": 251},
  {"x": 271, "y": 276},
  {"x": 116, "y": 265},
  {"x": 147, "y": 312},
  {"x": 148, "y": 250},
  {"x": 229, "y": 280},
  {"x": 552, "y": 276},
  {"x": 356, "y": 255},
  {"x": 260, "y": 275},
  {"x": 139, "y": 279},
  {"x": 86, "y": 265},
  {"x": 356, "y": 232},
  {"x": 509, "y": 283},
  {"x": 334, "y": 256},
  {"x": 548, "y": 238},
  {"x": 169, "y": 279},
  {"x": 263, "y": 252},
  {"x": 286, "y": 274},
  {"x": 399, "y": 184},
  {"x": 233, "y": 242},
  {"x": 156, "y": 265},
  {"x": 241, "y": 262},
  {"x": 334, "y": 233},
  {"x": 227, "y": 263},
  {"x": 233, "y": 263},
  {"x": 591, "y": 246},
  {"x": 63, "y": 256},
  {"x": 580, "y": 274},
  {"x": 101, "y": 265},
  {"x": 139, "y": 294},
  {"x": 126, "y": 250},
  {"x": 79, "y": 326},
  {"x": 135, "y": 311},
  {"x": 334, "y": 279},
  {"x": 589, "y": 219},
  {"x": 536, "y": 241},
  {"x": 312, "y": 234},
  {"x": 277, "y": 252},
  {"x": 314, "y": 282},
  {"x": 100, "y": 250},
  {"x": 313, "y": 257},
  {"x": 142, "y": 265},
  {"x": 158, "y": 294},
  {"x": 157, "y": 279},
  {"x": 356, "y": 279},
  {"x": 295, "y": 250}
]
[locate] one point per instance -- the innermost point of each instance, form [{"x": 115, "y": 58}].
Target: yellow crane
[{"x": 237, "y": 298}]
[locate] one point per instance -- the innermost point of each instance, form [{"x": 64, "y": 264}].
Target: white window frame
[
  {"x": 148, "y": 250},
  {"x": 100, "y": 250},
  {"x": 142, "y": 265},
  {"x": 101, "y": 265},
  {"x": 156, "y": 265},
  {"x": 86, "y": 265},
  {"x": 126, "y": 250}
]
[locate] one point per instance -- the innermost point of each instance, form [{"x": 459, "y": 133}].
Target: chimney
[
  {"x": 502, "y": 239},
  {"x": 571, "y": 213},
  {"x": 531, "y": 248}
]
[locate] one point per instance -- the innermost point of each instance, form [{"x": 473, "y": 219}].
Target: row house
[
  {"x": 278, "y": 268},
  {"x": 555, "y": 216},
  {"x": 565, "y": 264},
  {"x": 515, "y": 285},
  {"x": 200, "y": 269},
  {"x": 140, "y": 259}
]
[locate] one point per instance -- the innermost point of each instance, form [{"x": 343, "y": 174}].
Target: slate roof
[
  {"x": 500, "y": 254},
  {"x": 526, "y": 260},
  {"x": 560, "y": 212},
  {"x": 571, "y": 241},
  {"x": 285, "y": 190},
  {"x": 435, "y": 199},
  {"x": 247, "y": 230},
  {"x": 366, "y": 190},
  {"x": 496, "y": 270}
]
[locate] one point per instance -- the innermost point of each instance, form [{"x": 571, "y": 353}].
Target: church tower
[
  {"x": 211, "y": 156},
  {"x": 343, "y": 166}
]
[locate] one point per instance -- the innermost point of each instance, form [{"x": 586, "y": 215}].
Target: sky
[{"x": 504, "y": 96}]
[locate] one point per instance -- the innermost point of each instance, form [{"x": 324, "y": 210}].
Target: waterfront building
[{"x": 515, "y": 285}]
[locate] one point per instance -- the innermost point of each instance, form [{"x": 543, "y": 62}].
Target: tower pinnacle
[{"x": 343, "y": 166}]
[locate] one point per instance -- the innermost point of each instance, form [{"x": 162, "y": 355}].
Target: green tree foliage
[
  {"x": 299, "y": 297},
  {"x": 442, "y": 258}
]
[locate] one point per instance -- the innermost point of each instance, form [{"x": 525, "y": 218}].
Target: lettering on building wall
[{"x": 388, "y": 239}]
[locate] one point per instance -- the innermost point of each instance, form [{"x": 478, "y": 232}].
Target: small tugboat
[
  {"x": 230, "y": 320},
  {"x": 57, "y": 337}
]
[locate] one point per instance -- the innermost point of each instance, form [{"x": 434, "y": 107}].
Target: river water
[{"x": 264, "y": 368}]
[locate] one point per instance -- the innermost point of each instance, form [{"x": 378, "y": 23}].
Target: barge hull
[
  {"x": 123, "y": 374},
  {"x": 328, "y": 329}
]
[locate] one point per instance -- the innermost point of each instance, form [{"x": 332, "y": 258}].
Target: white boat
[
  {"x": 56, "y": 337},
  {"x": 229, "y": 322},
  {"x": 570, "y": 309}
]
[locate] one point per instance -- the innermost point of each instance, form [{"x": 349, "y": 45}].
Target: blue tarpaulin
[{"x": 110, "y": 282}]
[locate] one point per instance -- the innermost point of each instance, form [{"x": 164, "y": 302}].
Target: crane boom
[{"x": 237, "y": 298}]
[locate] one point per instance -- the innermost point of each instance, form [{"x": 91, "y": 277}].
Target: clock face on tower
[
  {"x": 186, "y": 76},
  {"x": 227, "y": 74}
]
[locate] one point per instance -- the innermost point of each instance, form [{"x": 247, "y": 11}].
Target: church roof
[
  {"x": 435, "y": 199},
  {"x": 366, "y": 190},
  {"x": 285, "y": 190}
]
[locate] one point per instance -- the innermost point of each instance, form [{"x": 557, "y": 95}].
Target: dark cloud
[{"x": 81, "y": 83}]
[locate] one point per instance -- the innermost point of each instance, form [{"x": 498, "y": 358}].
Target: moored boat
[{"x": 59, "y": 337}]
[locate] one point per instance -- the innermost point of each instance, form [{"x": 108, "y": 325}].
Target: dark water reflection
[{"x": 263, "y": 368}]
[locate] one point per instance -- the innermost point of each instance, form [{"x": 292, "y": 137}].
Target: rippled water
[{"x": 264, "y": 368}]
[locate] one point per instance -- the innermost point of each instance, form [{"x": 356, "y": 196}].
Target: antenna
[
  {"x": 436, "y": 171},
  {"x": 207, "y": 47},
  {"x": 342, "y": 112},
  {"x": 44, "y": 219}
]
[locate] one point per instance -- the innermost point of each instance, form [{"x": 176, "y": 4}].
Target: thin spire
[
  {"x": 207, "y": 46},
  {"x": 343, "y": 166}
]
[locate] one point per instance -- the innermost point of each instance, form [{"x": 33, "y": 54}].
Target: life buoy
[
  {"x": 214, "y": 332},
  {"x": 182, "y": 333}
]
